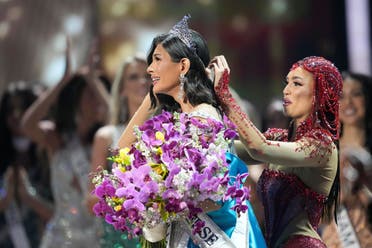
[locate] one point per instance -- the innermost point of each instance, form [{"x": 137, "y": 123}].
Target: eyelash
[{"x": 295, "y": 83}]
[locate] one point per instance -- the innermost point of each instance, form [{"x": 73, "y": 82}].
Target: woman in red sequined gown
[{"x": 301, "y": 184}]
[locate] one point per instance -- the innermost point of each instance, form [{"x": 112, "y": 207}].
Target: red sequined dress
[
  {"x": 292, "y": 209},
  {"x": 292, "y": 197},
  {"x": 303, "y": 167}
]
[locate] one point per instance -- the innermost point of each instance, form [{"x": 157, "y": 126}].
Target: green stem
[{"x": 147, "y": 244}]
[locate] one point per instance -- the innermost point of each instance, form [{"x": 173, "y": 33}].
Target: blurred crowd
[{"x": 53, "y": 139}]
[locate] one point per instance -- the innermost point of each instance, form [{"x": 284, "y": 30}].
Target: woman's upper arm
[
  {"x": 100, "y": 151},
  {"x": 142, "y": 114},
  {"x": 100, "y": 148},
  {"x": 305, "y": 152}
]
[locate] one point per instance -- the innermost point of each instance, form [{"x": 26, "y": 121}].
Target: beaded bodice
[
  {"x": 284, "y": 197},
  {"x": 69, "y": 175},
  {"x": 71, "y": 224}
]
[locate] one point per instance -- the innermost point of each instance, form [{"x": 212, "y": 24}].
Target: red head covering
[{"x": 327, "y": 90}]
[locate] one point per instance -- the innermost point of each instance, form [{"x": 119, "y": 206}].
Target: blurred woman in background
[
  {"x": 79, "y": 102},
  {"x": 356, "y": 164},
  {"x": 24, "y": 182},
  {"x": 131, "y": 85}
]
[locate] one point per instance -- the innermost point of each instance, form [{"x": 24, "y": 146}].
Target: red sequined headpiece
[{"x": 327, "y": 90}]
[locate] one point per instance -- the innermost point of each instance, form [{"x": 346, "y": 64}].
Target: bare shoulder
[
  {"x": 105, "y": 131},
  {"x": 205, "y": 111},
  {"x": 103, "y": 136}
]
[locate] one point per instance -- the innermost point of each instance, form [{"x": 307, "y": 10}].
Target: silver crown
[{"x": 182, "y": 31}]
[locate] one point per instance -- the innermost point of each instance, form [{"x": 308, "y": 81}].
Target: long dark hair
[
  {"x": 25, "y": 94},
  {"x": 198, "y": 87},
  {"x": 333, "y": 200},
  {"x": 66, "y": 108}
]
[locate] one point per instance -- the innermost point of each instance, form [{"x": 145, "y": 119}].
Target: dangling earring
[
  {"x": 316, "y": 107},
  {"x": 317, "y": 117},
  {"x": 182, "y": 79}
]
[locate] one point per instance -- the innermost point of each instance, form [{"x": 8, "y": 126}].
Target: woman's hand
[
  {"x": 25, "y": 190},
  {"x": 27, "y": 193},
  {"x": 221, "y": 77},
  {"x": 91, "y": 67},
  {"x": 208, "y": 206},
  {"x": 219, "y": 65},
  {"x": 29, "y": 196}
]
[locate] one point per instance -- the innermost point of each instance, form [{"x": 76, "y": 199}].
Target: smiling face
[
  {"x": 164, "y": 72},
  {"x": 352, "y": 103},
  {"x": 298, "y": 94}
]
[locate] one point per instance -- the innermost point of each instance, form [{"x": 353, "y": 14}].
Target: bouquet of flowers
[{"x": 177, "y": 162}]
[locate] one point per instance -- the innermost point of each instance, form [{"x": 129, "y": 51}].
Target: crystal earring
[
  {"x": 317, "y": 118},
  {"x": 182, "y": 79}
]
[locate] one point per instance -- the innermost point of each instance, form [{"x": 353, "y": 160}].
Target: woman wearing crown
[{"x": 177, "y": 63}]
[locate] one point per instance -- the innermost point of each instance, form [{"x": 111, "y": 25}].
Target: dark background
[{"x": 261, "y": 39}]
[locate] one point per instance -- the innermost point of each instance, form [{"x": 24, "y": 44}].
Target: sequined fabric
[
  {"x": 276, "y": 134},
  {"x": 291, "y": 207},
  {"x": 315, "y": 142},
  {"x": 327, "y": 90},
  {"x": 71, "y": 225},
  {"x": 303, "y": 242},
  {"x": 284, "y": 197}
]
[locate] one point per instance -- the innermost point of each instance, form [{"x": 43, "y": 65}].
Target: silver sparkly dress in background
[{"x": 71, "y": 225}]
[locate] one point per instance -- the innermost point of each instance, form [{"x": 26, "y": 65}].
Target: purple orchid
[
  {"x": 176, "y": 162},
  {"x": 105, "y": 189}
]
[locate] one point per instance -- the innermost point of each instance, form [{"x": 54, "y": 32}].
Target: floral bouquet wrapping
[{"x": 177, "y": 162}]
